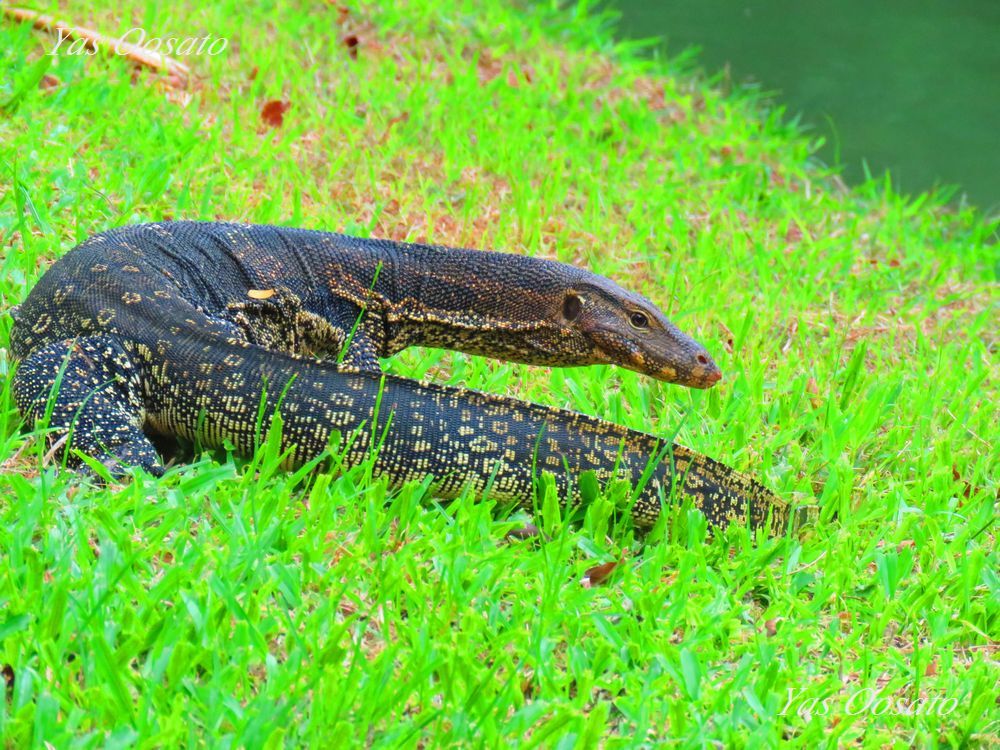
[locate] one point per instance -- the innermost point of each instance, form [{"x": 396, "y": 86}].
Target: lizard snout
[
  {"x": 697, "y": 370},
  {"x": 705, "y": 372}
]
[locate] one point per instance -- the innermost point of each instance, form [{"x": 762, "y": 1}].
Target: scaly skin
[
  {"x": 302, "y": 292},
  {"x": 162, "y": 329}
]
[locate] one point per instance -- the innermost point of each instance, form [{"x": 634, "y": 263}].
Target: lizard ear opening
[{"x": 571, "y": 307}]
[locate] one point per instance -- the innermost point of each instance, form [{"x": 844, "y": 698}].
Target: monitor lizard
[{"x": 196, "y": 330}]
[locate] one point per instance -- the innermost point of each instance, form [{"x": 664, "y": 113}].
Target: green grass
[{"x": 238, "y": 606}]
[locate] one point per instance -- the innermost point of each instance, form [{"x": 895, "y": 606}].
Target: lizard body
[
  {"x": 193, "y": 330},
  {"x": 298, "y": 290}
]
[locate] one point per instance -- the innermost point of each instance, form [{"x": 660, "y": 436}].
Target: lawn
[{"x": 235, "y": 605}]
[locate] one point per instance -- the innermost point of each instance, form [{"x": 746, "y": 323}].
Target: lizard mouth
[
  {"x": 708, "y": 378},
  {"x": 700, "y": 375},
  {"x": 705, "y": 373}
]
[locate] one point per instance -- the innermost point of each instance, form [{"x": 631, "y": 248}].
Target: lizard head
[{"x": 626, "y": 329}]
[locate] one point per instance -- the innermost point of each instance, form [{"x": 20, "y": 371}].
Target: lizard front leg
[
  {"x": 360, "y": 335},
  {"x": 88, "y": 393},
  {"x": 337, "y": 332}
]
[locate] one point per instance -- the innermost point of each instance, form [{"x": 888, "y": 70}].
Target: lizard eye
[
  {"x": 638, "y": 320},
  {"x": 571, "y": 307}
]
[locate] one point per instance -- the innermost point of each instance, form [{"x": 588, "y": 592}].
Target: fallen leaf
[
  {"x": 252, "y": 75},
  {"x": 273, "y": 112},
  {"x": 48, "y": 82},
  {"x": 812, "y": 388},
  {"x": 771, "y": 626},
  {"x": 488, "y": 68},
  {"x": 528, "y": 684},
  {"x": 528, "y": 531},
  {"x": 967, "y": 491},
  {"x": 402, "y": 117},
  {"x": 351, "y": 41},
  {"x": 727, "y": 337},
  {"x": 600, "y": 573}
]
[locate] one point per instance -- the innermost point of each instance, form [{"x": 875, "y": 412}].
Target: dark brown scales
[{"x": 185, "y": 329}]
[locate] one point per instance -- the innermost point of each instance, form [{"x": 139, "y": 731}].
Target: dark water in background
[{"x": 912, "y": 86}]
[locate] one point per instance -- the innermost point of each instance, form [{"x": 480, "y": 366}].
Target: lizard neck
[{"x": 474, "y": 301}]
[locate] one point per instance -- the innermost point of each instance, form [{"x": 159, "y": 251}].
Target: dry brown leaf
[
  {"x": 600, "y": 573},
  {"x": 812, "y": 388},
  {"x": 351, "y": 41},
  {"x": 967, "y": 488},
  {"x": 402, "y": 117},
  {"x": 273, "y": 112},
  {"x": 528, "y": 531},
  {"x": 528, "y": 684},
  {"x": 727, "y": 337}
]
